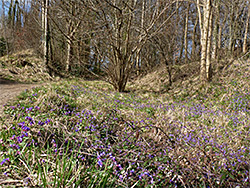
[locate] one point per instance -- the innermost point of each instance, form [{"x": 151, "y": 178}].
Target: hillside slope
[
  {"x": 23, "y": 66},
  {"x": 186, "y": 78}
]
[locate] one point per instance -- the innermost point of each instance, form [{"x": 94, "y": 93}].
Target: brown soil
[{"x": 10, "y": 89}]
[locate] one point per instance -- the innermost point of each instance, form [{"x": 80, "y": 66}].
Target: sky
[{"x": 7, "y": 2}]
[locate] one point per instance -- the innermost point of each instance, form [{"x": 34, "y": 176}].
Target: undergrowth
[{"x": 74, "y": 133}]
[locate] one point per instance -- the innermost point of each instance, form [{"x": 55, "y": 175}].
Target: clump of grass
[{"x": 76, "y": 133}]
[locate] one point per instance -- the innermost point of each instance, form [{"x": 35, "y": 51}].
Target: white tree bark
[
  {"x": 215, "y": 31},
  {"x": 246, "y": 31},
  {"x": 231, "y": 28},
  {"x": 204, "y": 19},
  {"x": 4, "y": 27},
  {"x": 142, "y": 31},
  {"x": 45, "y": 4},
  {"x": 69, "y": 46},
  {"x": 209, "y": 48},
  {"x": 186, "y": 34}
]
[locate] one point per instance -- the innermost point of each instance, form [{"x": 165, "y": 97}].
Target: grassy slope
[
  {"x": 24, "y": 66},
  {"x": 84, "y": 133}
]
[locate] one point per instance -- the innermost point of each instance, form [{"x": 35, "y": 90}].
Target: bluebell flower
[
  {"x": 41, "y": 123},
  {"x": 25, "y": 128},
  {"x": 4, "y": 160},
  {"x": 100, "y": 163}
]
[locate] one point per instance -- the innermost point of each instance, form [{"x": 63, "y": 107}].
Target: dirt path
[{"x": 10, "y": 89}]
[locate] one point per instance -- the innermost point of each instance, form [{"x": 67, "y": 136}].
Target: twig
[{"x": 10, "y": 181}]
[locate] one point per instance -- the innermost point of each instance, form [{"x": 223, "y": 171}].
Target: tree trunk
[
  {"x": 215, "y": 31},
  {"x": 17, "y": 18},
  {"x": 4, "y": 28},
  {"x": 69, "y": 46},
  {"x": 182, "y": 33},
  {"x": 45, "y": 4},
  {"x": 215, "y": 40},
  {"x": 11, "y": 15},
  {"x": 69, "y": 55},
  {"x": 137, "y": 63},
  {"x": 209, "y": 40},
  {"x": 246, "y": 31},
  {"x": 220, "y": 36},
  {"x": 182, "y": 48},
  {"x": 204, "y": 19},
  {"x": 231, "y": 30},
  {"x": 193, "y": 53},
  {"x": 186, "y": 34}
]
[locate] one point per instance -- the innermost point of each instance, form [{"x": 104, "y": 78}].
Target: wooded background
[{"x": 117, "y": 38}]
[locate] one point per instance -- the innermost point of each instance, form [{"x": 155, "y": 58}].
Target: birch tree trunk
[
  {"x": 182, "y": 34},
  {"x": 69, "y": 55},
  {"x": 209, "y": 48},
  {"x": 72, "y": 28},
  {"x": 246, "y": 31},
  {"x": 215, "y": 31},
  {"x": 45, "y": 4},
  {"x": 69, "y": 47},
  {"x": 204, "y": 19},
  {"x": 215, "y": 39},
  {"x": 142, "y": 31},
  {"x": 4, "y": 28},
  {"x": 186, "y": 34},
  {"x": 231, "y": 29}
]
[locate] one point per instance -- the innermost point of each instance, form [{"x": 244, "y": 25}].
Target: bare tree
[
  {"x": 45, "y": 6},
  {"x": 216, "y": 17},
  {"x": 186, "y": 33},
  {"x": 4, "y": 27},
  {"x": 246, "y": 28},
  {"x": 194, "y": 37},
  {"x": 123, "y": 30},
  {"x": 71, "y": 35},
  {"x": 115, "y": 37},
  {"x": 71, "y": 31},
  {"x": 205, "y": 11}
]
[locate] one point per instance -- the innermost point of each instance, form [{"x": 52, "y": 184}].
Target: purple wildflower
[
  {"x": 100, "y": 163},
  {"x": 4, "y": 161}
]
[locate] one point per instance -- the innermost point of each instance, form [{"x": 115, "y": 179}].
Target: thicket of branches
[{"x": 116, "y": 38}]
